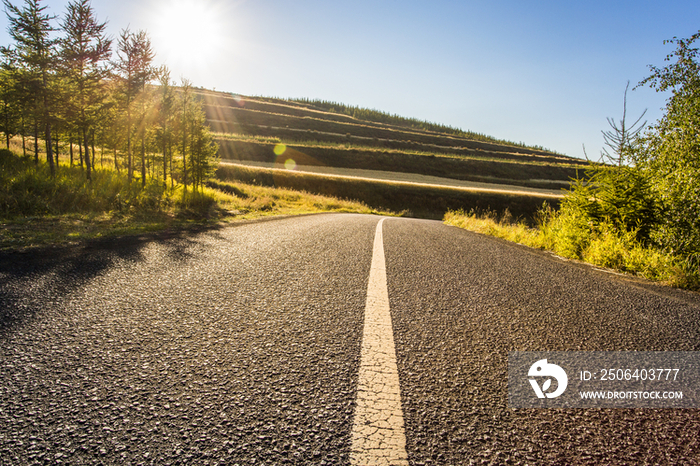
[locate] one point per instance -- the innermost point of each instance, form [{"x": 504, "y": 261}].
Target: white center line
[{"x": 378, "y": 435}]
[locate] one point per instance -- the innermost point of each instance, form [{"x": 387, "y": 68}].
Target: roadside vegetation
[
  {"x": 39, "y": 208},
  {"x": 570, "y": 237},
  {"x": 69, "y": 92},
  {"x": 638, "y": 210}
]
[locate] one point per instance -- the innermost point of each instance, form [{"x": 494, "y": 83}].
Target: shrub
[
  {"x": 568, "y": 232},
  {"x": 609, "y": 248},
  {"x": 571, "y": 234},
  {"x": 616, "y": 195}
]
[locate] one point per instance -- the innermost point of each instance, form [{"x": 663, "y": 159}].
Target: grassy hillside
[
  {"x": 397, "y": 120},
  {"x": 249, "y": 128},
  {"x": 535, "y": 174}
]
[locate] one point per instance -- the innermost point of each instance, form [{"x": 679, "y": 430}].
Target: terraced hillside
[
  {"x": 265, "y": 133},
  {"x": 249, "y": 128}
]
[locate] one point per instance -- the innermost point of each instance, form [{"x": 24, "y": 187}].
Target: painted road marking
[{"x": 378, "y": 436}]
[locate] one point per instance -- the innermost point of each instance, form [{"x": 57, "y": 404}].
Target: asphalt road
[{"x": 242, "y": 346}]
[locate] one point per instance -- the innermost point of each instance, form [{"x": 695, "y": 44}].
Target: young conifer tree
[
  {"x": 166, "y": 106},
  {"x": 85, "y": 51},
  {"x": 185, "y": 104},
  {"x": 34, "y": 57},
  {"x": 203, "y": 149},
  {"x": 134, "y": 71}
]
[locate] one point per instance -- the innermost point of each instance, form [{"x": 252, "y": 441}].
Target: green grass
[
  {"x": 36, "y": 209},
  {"x": 568, "y": 237}
]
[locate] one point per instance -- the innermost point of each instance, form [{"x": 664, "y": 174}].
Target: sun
[{"x": 188, "y": 34}]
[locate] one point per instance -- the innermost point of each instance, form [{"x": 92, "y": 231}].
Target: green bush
[
  {"x": 620, "y": 196},
  {"x": 670, "y": 152}
]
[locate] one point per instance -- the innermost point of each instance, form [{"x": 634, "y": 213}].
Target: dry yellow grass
[
  {"x": 488, "y": 225},
  {"x": 602, "y": 247},
  {"x": 244, "y": 201}
]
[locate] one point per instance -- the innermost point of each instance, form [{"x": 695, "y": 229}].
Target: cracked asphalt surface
[{"x": 242, "y": 346}]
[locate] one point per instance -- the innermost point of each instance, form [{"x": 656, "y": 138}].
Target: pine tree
[
  {"x": 134, "y": 71},
  {"x": 34, "y": 58},
  {"x": 166, "y": 106},
  {"x": 85, "y": 51},
  {"x": 185, "y": 103},
  {"x": 203, "y": 149},
  {"x": 10, "y": 117},
  {"x": 622, "y": 138}
]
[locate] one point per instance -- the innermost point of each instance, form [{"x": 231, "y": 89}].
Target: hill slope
[{"x": 249, "y": 128}]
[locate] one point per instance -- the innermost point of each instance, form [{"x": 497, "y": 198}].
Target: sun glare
[{"x": 188, "y": 33}]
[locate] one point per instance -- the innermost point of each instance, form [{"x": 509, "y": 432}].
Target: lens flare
[
  {"x": 290, "y": 164},
  {"x": 279, "y": 149}
]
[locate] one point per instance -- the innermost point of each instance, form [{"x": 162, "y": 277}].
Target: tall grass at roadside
[
  {"x": 247, "y": 201},
  {"x": 492, "y": 224},
  {"x": 570, "y": 236},
  {"x": 27, "y": 189},
  {"x": 38, "y": 209}
]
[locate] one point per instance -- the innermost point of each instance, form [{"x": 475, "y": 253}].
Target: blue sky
[{"x": 542, "y": 72}]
